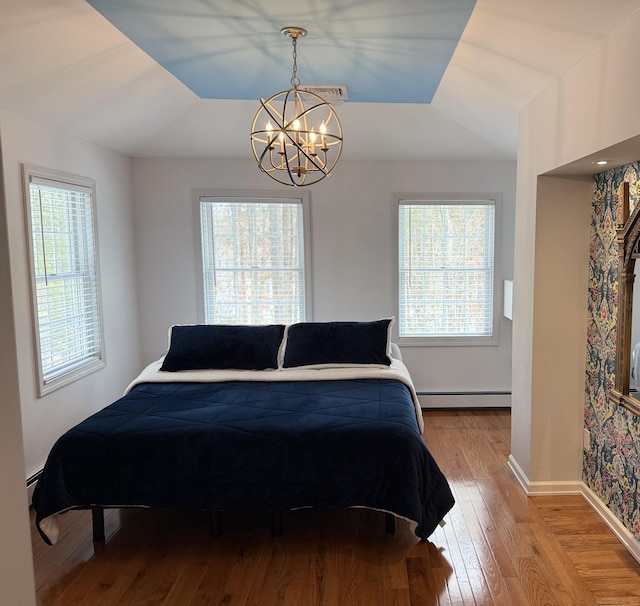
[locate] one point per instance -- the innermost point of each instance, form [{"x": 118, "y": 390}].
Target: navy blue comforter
[{"x": 240, "y": 445}]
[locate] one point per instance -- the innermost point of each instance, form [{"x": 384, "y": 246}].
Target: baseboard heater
[
  {"x": 464, "y": 399},
  {"x": 31, "y": 484}
]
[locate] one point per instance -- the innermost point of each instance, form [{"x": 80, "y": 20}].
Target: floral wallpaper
[{"x": 612, "y": 468}]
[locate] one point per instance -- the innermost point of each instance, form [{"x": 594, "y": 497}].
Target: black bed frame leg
[
  {"x": 97, "y": 520},
  {"x": 215, "y": 524},
  {"x": 389, "y": 523},
  {"x": 276, "y": 522}
]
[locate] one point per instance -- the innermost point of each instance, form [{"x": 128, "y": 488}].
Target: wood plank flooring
[{"x": 498, "y": 547}]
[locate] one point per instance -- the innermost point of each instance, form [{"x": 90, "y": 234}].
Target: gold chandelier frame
[{"x": 300, "y": 140}]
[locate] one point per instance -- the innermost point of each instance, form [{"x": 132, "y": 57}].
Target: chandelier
[{"x": 296, "y": 136}]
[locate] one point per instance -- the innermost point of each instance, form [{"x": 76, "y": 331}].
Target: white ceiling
[{"x": 64, "y": 64}]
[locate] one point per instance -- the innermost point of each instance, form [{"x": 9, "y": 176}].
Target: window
[
  {"x": 447, "y": 273},
  {"x": 64, "y": 273},
  {"x": 254, "y": 259}
]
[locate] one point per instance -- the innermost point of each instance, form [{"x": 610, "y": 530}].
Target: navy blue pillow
[
  {"x": 333, "y": 343},
  {"x": 218, "y": 346}
]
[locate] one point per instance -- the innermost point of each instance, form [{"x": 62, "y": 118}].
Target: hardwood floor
[{"x": 498, "y": 547}]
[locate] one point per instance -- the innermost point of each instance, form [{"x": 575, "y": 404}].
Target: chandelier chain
[{"x": 295, "y": 81}]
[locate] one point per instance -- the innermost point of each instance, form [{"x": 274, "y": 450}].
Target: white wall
[
  {"x": 45, "y": 419},
  {"x": 352, "y": 240},
  {"x": 17, "y": 585},
  {"x": 592, "y": 107},
  {"x": 563, "y": 220}
]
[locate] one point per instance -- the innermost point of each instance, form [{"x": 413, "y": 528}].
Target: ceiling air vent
[{"x": 334, "y": 93}]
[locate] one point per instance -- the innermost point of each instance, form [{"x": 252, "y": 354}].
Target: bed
[{"x": 255, "y": 417}]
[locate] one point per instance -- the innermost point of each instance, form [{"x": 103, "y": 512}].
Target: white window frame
[
  {"x": 258, "y": 197},
  {"x": 48, "y": 377},
  {"x": 494, "y": 199}
]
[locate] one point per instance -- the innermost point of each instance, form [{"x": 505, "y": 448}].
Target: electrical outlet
[{"x": 586, "y": 440}]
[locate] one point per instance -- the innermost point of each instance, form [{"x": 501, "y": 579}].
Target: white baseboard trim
[
  {"x": 540, "y": 489},
  {"x": 564, "y": 488},
  {"x": 616, "y": 526},
  {"x": 465, "y": 400},
  {"x": 516, "y": 470}
]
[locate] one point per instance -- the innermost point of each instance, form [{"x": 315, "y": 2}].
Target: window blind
[
  {"x": 65, "y": 281},
  {"x": 446, "y": 268},
  {"x": 253, "y": 261}
]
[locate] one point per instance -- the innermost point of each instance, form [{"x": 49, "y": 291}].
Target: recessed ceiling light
[{"x": 602, "y": 162}]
